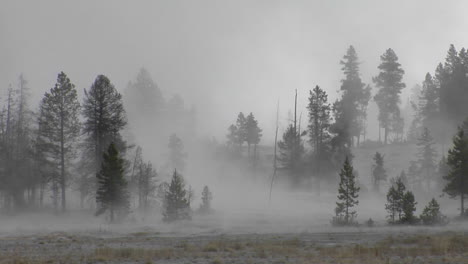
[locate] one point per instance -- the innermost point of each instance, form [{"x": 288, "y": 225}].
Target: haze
[{"x": 223, "y": 57}]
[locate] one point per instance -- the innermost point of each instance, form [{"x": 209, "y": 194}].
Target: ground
[{"x": 129, "y": 244}]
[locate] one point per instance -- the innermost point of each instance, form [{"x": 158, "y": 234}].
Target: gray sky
[{"x": 223, "y": 56}]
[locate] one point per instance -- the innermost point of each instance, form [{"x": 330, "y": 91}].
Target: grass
[{"x": 439, "y": 248}]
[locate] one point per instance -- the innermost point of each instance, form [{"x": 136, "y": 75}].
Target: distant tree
[
  {"x": 348, "y": 193},
  {"x": 241, "y": 125},
  {"x": 112, "y": 194},
  {"x": 457, "y": 178},
  {"x": 427, "y": 156},
  {"x": 59, "y": 128},
  {"x": 232, "y": 140},
  {"x": 104, "y": 118},
  {"x": 177, "y": 155},
  {"x": 431, "y": 214},
  {"x": 207, "y": 196},
  {"x": 453, "y": 80},
  {"x": 253, "y": 134},
  {"x": 143, "y": 98},
  {"x": 176, "y": 202},
  {"x": 408, "y": 208},
  {"x": 378, "y": 171},
  {"x": 442, "y": 170},
  {"x": 389, "y": 82},
  {"x": 147, "y": 184},
  {"x": 395, "y": 201},
  {"x": 291, "y": 151},
  {"x": 429, "y": 103},
  {"x": 355, "y": 96},
  {"x": 319, "y": 128}
]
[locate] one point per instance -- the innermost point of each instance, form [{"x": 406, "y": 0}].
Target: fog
[{"x": 222, "y": 58}]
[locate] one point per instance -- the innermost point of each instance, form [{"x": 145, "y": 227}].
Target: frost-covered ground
[{"x": 220, "y": 238}]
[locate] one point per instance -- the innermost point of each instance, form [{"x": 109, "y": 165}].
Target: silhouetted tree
[
  {"x": 318, "y": 129},
  {"x": 457, "y": 161},
  {"x": 112, "y": 194},
  {"x": 291, "y": 151},
  {"x": 176, "y": 201},
  {"x": 431, "y": 214},
  {"x": 59, "y": 128},
  {"x": 348, "y": 193},
  {"x": 394, "y": 204},
  {"x": 408, "y": 208},
  {"x": 104, "y": 118},
  {"x": 389, "y": 82},
  {"x": 253, "y": 134}
]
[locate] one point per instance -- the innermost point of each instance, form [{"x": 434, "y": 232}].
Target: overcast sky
[{"x": 223, "y": 56}]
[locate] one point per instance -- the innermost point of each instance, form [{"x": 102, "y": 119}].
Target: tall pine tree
[
  {"x": 389, "y": 82},
  {"x": 59, "y": 128}
]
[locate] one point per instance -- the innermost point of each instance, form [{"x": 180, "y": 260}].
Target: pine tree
[
  {"x": 431, "y": 214},
  {"x": 348, "y": 193},
  {"x": 427, "y": 157},
  {"x": 453, "y": 80},
  {"x": 429, "y": 103},
  {"x": 147, "y": 184},
  {"x": 291, "y": 152},
  {"x": 176, "y": 202},
  {"x": 457, "y": 181},
  {"x": 395, "y": 202},
  {"x": 241, "y": 125},
  {"x": 253, "y": 135},
  {"x": 389, "y": 82},
  {"x": 355, "y": 97},
  {"x": 176, "y": 153},
  {"x": 104, "y": 119},
  {"x": 408, "y": 208},
  {"x": 112, "y": 194},
  {"x": 59, "y": 128},
  {"x": 378, "y": 171},
  {"x": 207, "y": 196},
  {"x": 318, "y": 128}
]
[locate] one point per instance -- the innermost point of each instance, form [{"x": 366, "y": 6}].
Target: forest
[{"x": 84, "y": 149}]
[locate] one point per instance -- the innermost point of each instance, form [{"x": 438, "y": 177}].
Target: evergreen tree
[
  {"x": 348, "y": 193},
  {"x": 355, "y": 96},
  {"x": 253, "y": 134},
  {"x": 147, "y": 184},
  {"x": 457, "y": 182},
  {"x": 59, "y": 128},
  {"x": 431, "y": 214},
  {"x": 112, "y": 194},
  {"x": 176, "y": 202},
  {"x": 395, "y": 201},
  {"x": 378, "y": 171},
  {"x": 453, "y": 80},
  {"x": 427, "y": 157},
  {"x": 389, "y": 82},
  {"x": 392, "y": 204},
  {"x": 318, "y": 128},
  {"x": 241, "y": 125},
  {"x": 429, "y": 103},
  {"x": 177, "y": 155},
  {"x": 408, "y": 208},
  {"x": 207, "y": 196},
  {"x": 104, "y": 118},
  {"x": 291, "y": 151}
]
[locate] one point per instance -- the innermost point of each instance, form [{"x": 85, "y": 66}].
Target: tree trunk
[{"x": 462, "y": 208}]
